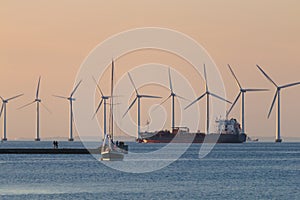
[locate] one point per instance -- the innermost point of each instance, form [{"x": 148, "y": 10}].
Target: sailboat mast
[{"x": 111, "y": 122}]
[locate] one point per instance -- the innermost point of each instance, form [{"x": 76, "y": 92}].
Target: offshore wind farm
[{"x": 223, "y": 127}]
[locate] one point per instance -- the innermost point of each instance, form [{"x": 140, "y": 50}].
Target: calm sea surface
[{"x": 230, "y": 171}]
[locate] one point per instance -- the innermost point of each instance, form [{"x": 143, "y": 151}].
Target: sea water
[{"x": 229, "y": 171}]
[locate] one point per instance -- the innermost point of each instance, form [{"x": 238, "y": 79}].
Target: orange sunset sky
[{"x": 52, "y": 38}]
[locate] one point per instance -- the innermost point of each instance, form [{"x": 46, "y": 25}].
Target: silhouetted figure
[{"x": 55, "y": 144}]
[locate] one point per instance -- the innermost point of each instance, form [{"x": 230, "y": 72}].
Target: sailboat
[{"x": 109, "y": 150}]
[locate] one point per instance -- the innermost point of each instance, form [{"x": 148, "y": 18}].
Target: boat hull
[
  {"x": 167, "y": 137},
  {"x": 112, "y": 155}
]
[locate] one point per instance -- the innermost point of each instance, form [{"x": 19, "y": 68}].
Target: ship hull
[{"x": 194, "y": 138}]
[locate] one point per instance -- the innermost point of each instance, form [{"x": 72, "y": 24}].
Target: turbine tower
[
  {"x": 3, "y": 109},
  {"x": 70, "y": 99},
  {"x": 138, "y": 98},
  {"x": 207, "y": 94},
  {"x": 277, "y": 96},
  {"x": 242, "y": 92},
  {"x": 103, "y": 100},
  {"x": 173, "y": 95},
  {"x": 38, "y": 101}
]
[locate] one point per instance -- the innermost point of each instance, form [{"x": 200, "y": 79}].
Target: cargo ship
[{"x": 228, "y": 131}]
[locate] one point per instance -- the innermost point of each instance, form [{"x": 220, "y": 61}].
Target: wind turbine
[
  {"x": 242, "y": 92},
  {"x": 138, "y": 98},
  {"x": 3, "y": 109},
  {"x": 173, "y": 95},
  {"x": 207, "y": 93},
  {"x": 70, "y": 99},
  {"x": 277, "y": 94},
  {"x": 38, "y": 101},
  {"x": 103, "y": 100}
]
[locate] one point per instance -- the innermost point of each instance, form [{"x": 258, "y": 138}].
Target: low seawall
[{"x": 48, "y": 151}]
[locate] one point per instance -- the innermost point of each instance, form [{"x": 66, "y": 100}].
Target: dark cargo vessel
[{"x": 228, "y": 131}]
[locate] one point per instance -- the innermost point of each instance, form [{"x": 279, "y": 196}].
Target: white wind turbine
[
  {"x": 103, "y": 100},
  {"x": 173, "y": 95},
  {"x": 242, "y": 92},
  {"x": 138, "y": 98},
  {"x": 70, "y": 99},
  {"x": 38, "y": 101},
  {"x": 207, "y": 93},
  {"x": 3, "y": 110},
  {"x": 277, "y": 94}
]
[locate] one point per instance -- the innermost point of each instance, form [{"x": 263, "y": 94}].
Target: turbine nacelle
[
  {"x": 71, "y": 99},
  {"x": 105, "y": 97}
]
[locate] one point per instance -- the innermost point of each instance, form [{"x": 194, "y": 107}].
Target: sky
[{"x": 52, "y": 39}]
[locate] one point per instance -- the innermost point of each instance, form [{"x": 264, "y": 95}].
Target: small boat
[{"x": 110, "y": 152}]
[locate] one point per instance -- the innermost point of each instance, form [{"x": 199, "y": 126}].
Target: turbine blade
[
  {"x": 205, "y": 77},
  {"x": 38, "y": 88},
  {"x": 99, "y": 105},
  {"x": 195, "y": 101},
  {"x": 221, "y": 98},
  {"x": 1, "y": 109},
  {"x": 290, "y": 85},
  {"x": 46, "y": 107},
  {"x": 235, "y": 101},
  {"x": 170, "y": 80},
  {"x": 14, "y": 97},
  {"x": 162, "y": 102},
  {"x": 130, "y": 106},
  {"x": 180, "y": 97},
  {"x": 150, "y": 96},
  {"x": 26, "y": 105},
  {"x": 237, "y": 81},
  {"x": 98, "y": 87},
  {"x": 266, "y": 75},
  {"x": 165, "y": 100},
  {"x": 256, "y": 90},
  {"x": 73, "y": 92},
  {"x": 133, "y": 83},
  {"x": 62, "y": 97},
  {"x": 1, "y": 98},
  {"x": 273, "y": 104}
]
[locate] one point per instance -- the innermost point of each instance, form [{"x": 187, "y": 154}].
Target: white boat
[{"x": 111, "y": 152}]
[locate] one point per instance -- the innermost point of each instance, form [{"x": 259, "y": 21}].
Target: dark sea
[{"x": 230, "y": 171}]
